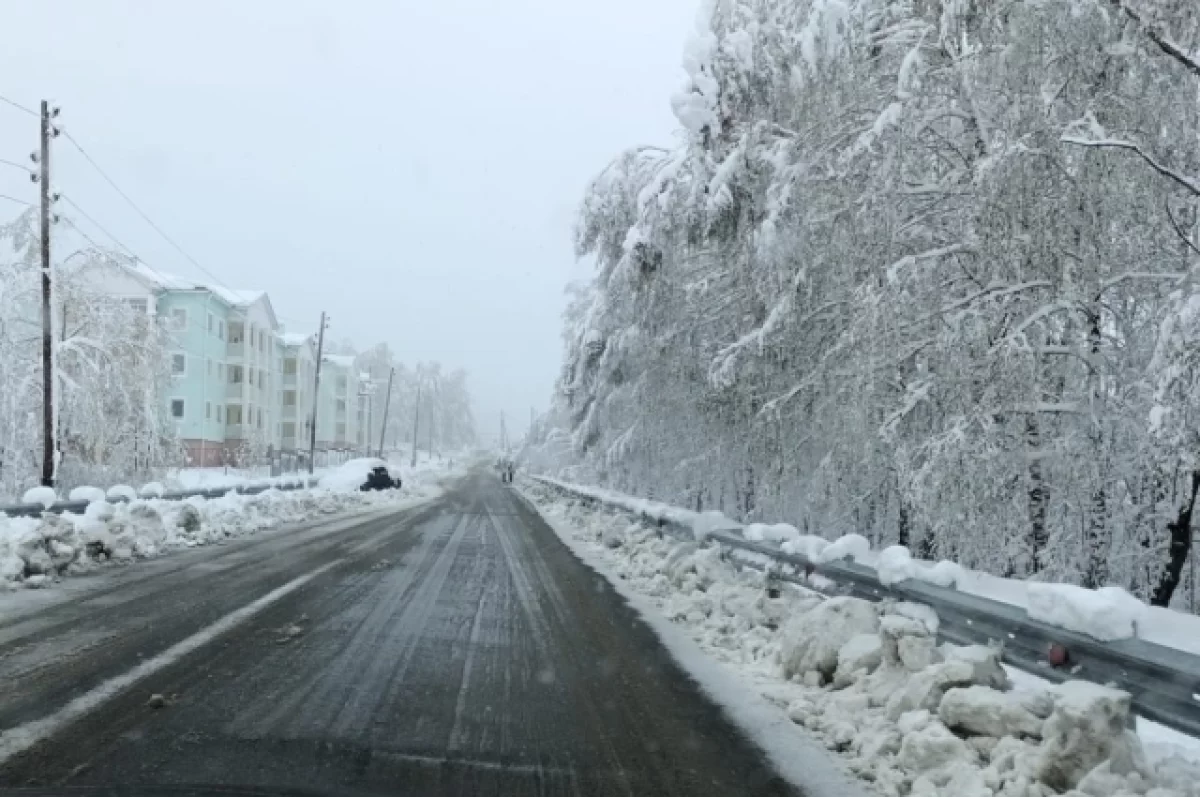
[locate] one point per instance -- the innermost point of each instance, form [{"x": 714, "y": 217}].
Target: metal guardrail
[
  {"x": 1164, "y": 682},
  {"x": 253, "y": 488}
]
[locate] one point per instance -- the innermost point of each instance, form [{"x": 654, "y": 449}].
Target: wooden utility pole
[
  {"x": 387, "y": 402},
  {"x": 49, "y": 438},
  {"x": 416, "y": 422},
  {"x": 312, "y": 440},
  {"x": 430, "y": 425}
]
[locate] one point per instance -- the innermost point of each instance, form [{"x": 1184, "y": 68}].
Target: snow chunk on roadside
[
  {"x": 1087, "y": 728},
  {"x": 1106, "y": 614},
  {"x": 121, "y": 492},
  {"x": 40, "y": 495},
  {"x": 811, "y": 642},
  {"x": 895, "y": 565},
  {"x": 861, "y": 653},
  {"x": 777, "y": 533},
  {"x": 931, "y": 748},
  {"x": 981, "y": 711},
  {"x": 807, "y": 545},
  {"x": 706, "y": 523},
  {"x": 152, "y": 490},
  {"x": 86, "y": 493},
  {"x": 848, "y": 546}
]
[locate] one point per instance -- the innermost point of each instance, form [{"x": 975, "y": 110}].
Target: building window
[
  {"x": 211, "y": 323},
  {"x": 220, "y": 370},
  {"x": 177, "y": 409},
  {"x": 179, "y": 318},
  {"x": 289, "y": 366},
  {"x": 137, "y": 305},
  {"x": 178, "y": 364},
  {"x": 207, "y": 410},
  {"x": 218, "y": 413},
  {"x": 209, "y": 367},
  {"x": 289, "y": 429},
  {"x": 233, "y": 415},
  {"x": 341, "y": 405},
  {"x": 259, "y": 414},
  {"x": 235, "y": 374},
  {"x": 220, "y": 330},
  {"x": 289, "y": 398}
]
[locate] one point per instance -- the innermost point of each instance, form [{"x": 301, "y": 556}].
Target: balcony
[
  {"x": 237, "y": 391},
  {"x": 235, "y": 352},
  {"x": 288, "y": 413},
  {"x": 236, "y": 431},
  {"x": 289, "y": 380},
  {"x": 289, "y": 443}
]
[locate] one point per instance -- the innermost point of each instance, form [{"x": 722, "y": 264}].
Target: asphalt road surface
[{"x": 456, "y": 648}]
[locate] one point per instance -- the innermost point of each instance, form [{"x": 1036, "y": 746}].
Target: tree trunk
[
  {"x": 904, "y": 525},
  {"x": 1037, "y": 498},
  {"x": 1178, "y": 550}
]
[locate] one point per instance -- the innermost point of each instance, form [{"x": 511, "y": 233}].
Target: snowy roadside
[
  {"x": 36, "y": 552},
  {"x": 869, "y": 682},
  {"x": 1106, "y": 614}
]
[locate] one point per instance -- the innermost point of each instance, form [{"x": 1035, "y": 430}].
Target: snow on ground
[
  {"x": 1106, "y": 614},
  {"x": 35, "y": 552},
  {"x": 869, "y": 681}
]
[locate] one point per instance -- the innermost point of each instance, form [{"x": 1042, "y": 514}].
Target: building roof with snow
[
  {"x": 340, "y": 360},
  {"x": 239, "y": 299},
  {"x": 294, "y": 338}
]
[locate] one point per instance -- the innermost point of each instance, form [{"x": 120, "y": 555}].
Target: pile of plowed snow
[
  {"x": 909, "y": 716},
  {"x": 34, "y": 551}
]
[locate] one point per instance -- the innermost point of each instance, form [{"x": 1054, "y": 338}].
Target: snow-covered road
[{"x": 457, "y": 647}]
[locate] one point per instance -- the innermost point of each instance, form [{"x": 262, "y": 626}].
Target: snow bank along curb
[
  {"x": 43, "y": 499},
  {"x": 1164, "y": 682},
  {"x": 869, "y": 679},
  {"x": 34, "y": 551}
]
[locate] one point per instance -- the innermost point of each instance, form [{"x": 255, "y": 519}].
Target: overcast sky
[{"x": 411, "y": 166}]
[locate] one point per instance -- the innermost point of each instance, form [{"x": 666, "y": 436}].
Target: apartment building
[
  {"x": 337, "y": 416},
  {"x": 299, "y": 360},
  {"x": 225, "y": 390}
]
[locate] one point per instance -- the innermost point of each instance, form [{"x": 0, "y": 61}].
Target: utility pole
[
  {"x": 430, "y": 425},
  {"x": 416, "y": 421},
  {"x": 503, "y": 434},
  {"x": 49, "y": 435},
  {"x": 387, "y": 402},
  {"x": 312, "y": 440}
]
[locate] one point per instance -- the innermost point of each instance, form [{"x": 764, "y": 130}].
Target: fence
[{"x": 1164, "y": 682}]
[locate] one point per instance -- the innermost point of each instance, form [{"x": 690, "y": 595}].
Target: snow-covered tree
[{"x": 920, "y": 270}]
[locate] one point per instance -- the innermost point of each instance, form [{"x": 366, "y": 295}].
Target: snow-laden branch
[
  {"x": 1159, "y": 38},
  {"x": 1183, "y": 180},
  {"x": 1130, "y": 276}
]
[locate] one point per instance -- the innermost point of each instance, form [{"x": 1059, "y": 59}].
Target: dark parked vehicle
[{"x": 379, "y": 479}]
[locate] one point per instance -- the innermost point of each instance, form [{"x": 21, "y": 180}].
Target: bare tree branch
[
  {"x": 1186, "y": 182},
  {"x": 1178, "y": 231},
  {"x": 1159, "y": 38}
]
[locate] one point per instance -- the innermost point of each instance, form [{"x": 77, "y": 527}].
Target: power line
[
  {"x": 18, "y": 105},
  {"x": 14, "y": 199},
  {"x": 148, "y": 220},
  {"x": 141, "y": 212},
  {"x": 16, "y": 165},
  {"x": 102, "y": 229}
]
